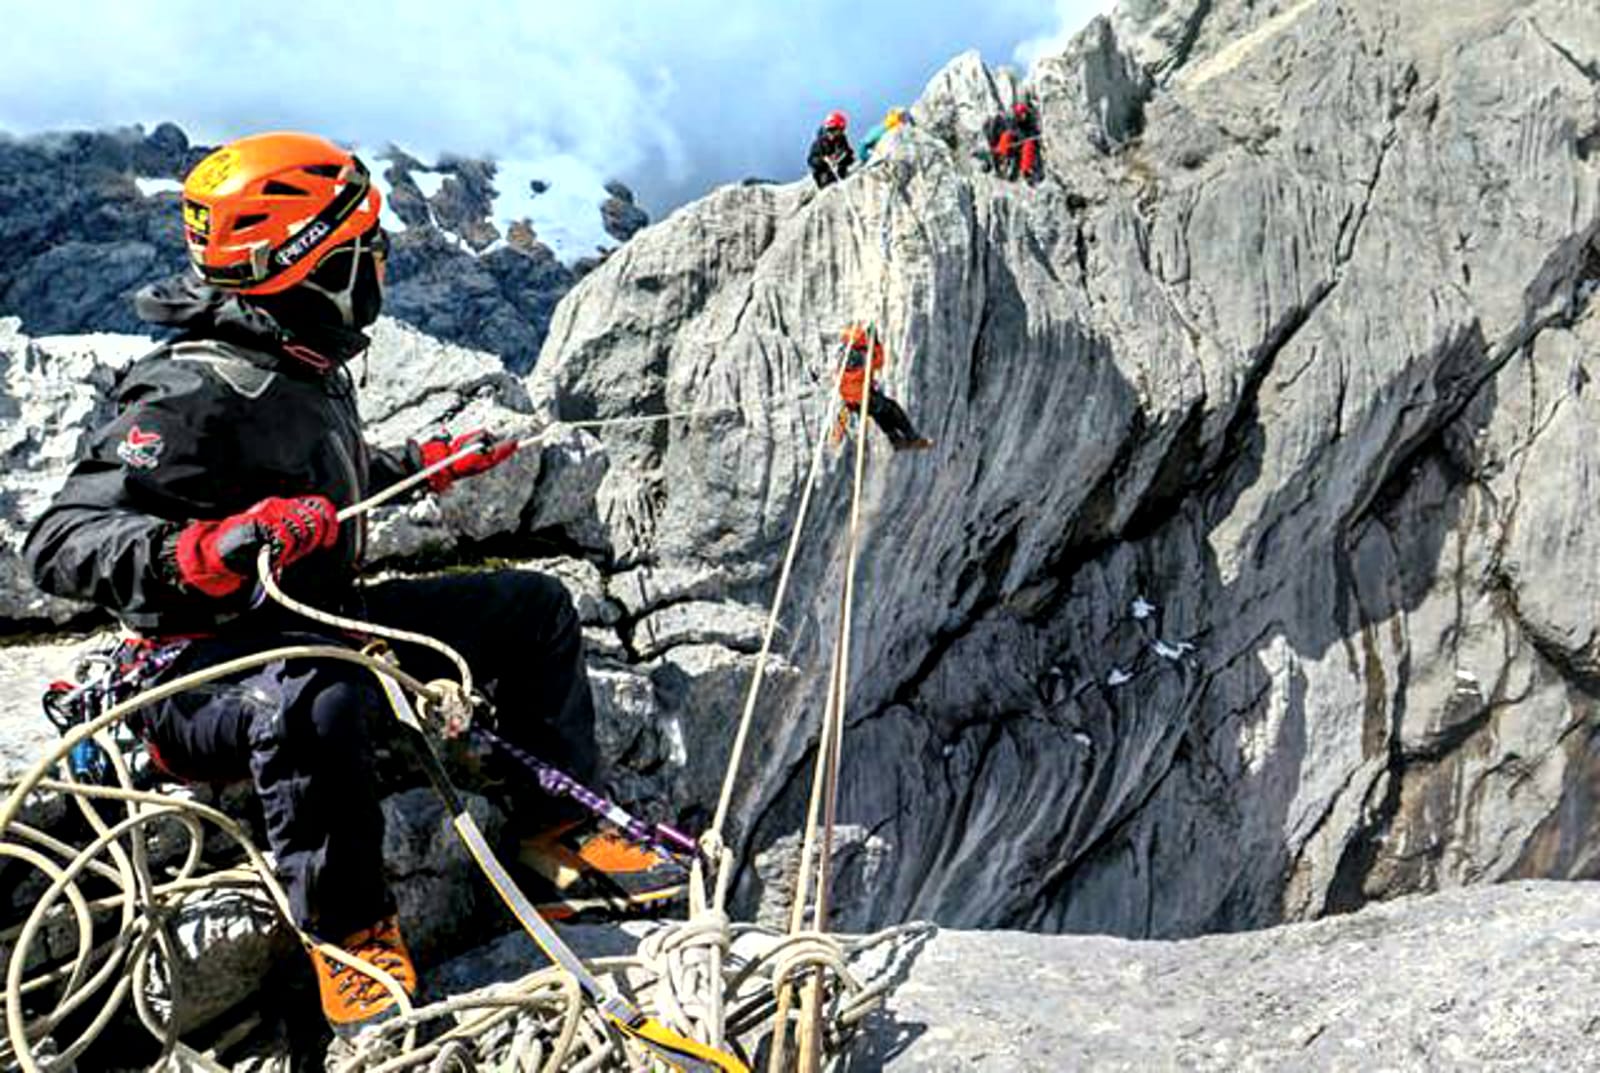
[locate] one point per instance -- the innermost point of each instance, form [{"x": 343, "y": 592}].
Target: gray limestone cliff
[{"x": 1251, "y": 576}]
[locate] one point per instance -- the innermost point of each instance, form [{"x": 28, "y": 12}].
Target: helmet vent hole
[
  {"x": 249, "y": 220},
  {"x": 278, "y": 186},
  {"x": 324, "y": 171}
]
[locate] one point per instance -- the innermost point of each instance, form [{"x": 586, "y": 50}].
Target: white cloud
[
  {"x": 151, "y": 187},
  {"x": 1071, "y": 17},
  {"x": 671, "y": 97},
  {"x": 566, "y": 217}
]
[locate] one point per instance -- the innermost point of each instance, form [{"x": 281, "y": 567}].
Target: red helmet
[
  {"x": 261, "y": 212},
  {"x": 1022, "y": 110},
  {"x": 835, "y": 121}
]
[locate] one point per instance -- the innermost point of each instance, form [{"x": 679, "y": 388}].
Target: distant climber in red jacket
[
  {"x": 883, "y": 410},
  {"x": 1014, "y": 143}
]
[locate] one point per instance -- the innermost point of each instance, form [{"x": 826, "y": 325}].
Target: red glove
[
  {"x": 491, "y": 452},
  {"x": 217, "y": 557}
]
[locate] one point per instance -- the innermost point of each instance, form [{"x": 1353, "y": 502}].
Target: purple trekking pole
[{"x": 558, "y": 783}]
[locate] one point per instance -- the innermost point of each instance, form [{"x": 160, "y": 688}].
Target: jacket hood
[{"x": 197, "y": 309}]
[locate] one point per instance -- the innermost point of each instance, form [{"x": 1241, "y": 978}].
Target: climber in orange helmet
[
  {"x": 242, "y": 433},
  {"x": 888, "y": 414}
]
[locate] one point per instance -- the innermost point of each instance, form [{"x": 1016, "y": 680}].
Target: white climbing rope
[
  {"x": 553, "y": 1020},
  {"x": 817, "y": 843},
  {"x": 140, "y": 902},
  {"x": 698, "y": 976},
  {"x": 540, "y": 1021}
]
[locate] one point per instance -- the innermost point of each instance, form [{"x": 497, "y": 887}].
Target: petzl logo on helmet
[
  {"x": 197, "y": 218},
  {"x": 211, "y": 172},
  {"x": 303, "y": 243},
  {"x": 141, "y": 449}
]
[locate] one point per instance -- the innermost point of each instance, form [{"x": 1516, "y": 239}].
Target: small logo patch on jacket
[{"x": 141, "y": 449}]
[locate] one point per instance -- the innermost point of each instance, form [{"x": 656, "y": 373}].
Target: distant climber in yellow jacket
[{"x": 894, "y": 119}]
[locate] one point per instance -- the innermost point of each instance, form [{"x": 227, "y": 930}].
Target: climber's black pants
[
  {"x": 299, "y": 729},
  {"x": 824, "y": 175},
  {"x": 887, "y": 415}
]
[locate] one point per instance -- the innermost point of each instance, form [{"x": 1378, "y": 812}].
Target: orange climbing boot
[
  {"x": 352, "y": 1000},
  {"x": 600, "y": 871},
  {"x": 638, "y": 870}
]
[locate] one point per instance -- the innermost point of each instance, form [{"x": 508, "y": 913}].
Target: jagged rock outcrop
[
  {"x": 623, "y": 218},
  {"x": 78, "y": 236},
  {"x": 87, "y": 218},
  {"x": 1251, "y": 576},
  {"x": 500, "y": 301},
  {"x": 52, "y": 391}
]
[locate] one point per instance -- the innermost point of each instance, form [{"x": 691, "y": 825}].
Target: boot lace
[{"x": 379, "y": 945}]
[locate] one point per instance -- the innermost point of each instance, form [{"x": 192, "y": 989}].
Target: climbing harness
[{"x": 102, "y": 678}]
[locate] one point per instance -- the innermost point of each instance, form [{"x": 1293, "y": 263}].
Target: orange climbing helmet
[
  {"x": 856, "y": 337},
  {"x": 261, "y": 212}
]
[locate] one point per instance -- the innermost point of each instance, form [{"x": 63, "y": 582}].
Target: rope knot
[{"x": 446, "y": 706}]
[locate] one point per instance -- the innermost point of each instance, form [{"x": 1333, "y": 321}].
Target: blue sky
[{"x": 672, "y": 96}]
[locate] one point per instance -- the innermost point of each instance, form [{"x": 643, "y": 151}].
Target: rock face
[
  {"x": 1481, "y": 979},
  {"x": 87, "y": 218},
  {"x": 77, "y": 234},
  {"x": 52, "y": 391},
  {"x": 1251, "y": 577}
]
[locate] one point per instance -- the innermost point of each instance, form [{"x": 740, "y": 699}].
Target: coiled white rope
[{"x": 553, "y": 1021}]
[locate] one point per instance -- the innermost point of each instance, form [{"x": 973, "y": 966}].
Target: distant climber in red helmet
[
  {"x": 830, "y": 157},
  {"x": 1014, "y": 142},
  {"x": 883, "y": 410}
]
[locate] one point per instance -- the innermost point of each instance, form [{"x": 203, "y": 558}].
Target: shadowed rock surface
[{"x": 1251, "y": 576}]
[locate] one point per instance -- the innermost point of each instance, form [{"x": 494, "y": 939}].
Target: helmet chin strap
[{"x": 343, "y": 298}]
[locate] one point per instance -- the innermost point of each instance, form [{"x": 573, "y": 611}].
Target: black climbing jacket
[
  {"x": 223, "y": 416},
  {"x": 830, "y": 156},
  {"x": 1026, "y": 126}
]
